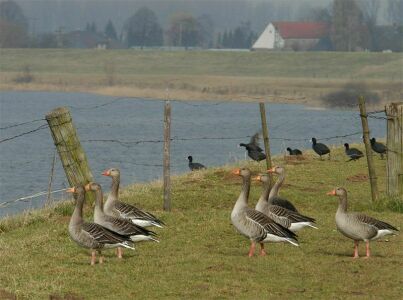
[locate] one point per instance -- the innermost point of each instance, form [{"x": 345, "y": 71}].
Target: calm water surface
[{"x": 26, "y": 161}]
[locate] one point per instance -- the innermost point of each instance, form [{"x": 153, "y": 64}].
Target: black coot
[
  {"x": 319, "y": 148},
  {"x": 294, "y": 151},
  {"x": 378, "y": 147},
  {"x": 194, "y": 165},
  {"x": 254, "y": 151},
  {"x": 353, "y": 153}
]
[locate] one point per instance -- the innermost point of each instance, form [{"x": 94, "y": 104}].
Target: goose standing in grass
[
  {"x": 353, "y": 153},
  {"x": 287, "y": 218},
  {"x": 254, "y": 151},
  {"x": 114, "y": 207},
  {"x": 274, "y": 199},
  {"x": 121, "y": 226},
  {"x": 356, "y": 226},
  {"x": 194, "y": 165},
  {"x": 319, "y": 148},
  {"x": 294, "y": 151},
  {"x": 378, "y": 147},
  {"x": 91, "y": 235},
  {"x": 255, "y": 225}
]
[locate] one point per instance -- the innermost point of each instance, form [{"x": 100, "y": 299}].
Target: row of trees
[{"x": 353, "y": 26}]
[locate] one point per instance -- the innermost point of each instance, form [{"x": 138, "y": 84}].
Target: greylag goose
[
  {"x": 378, "y": 147},
  {"x": 353, "y": 153},
  {"x": 294, "y": 151},
  {"x": 91, "y": 235},
  {"x": 116, "y": 208},
  {"x": 255, "y": 225},
  {"x": 274, "y": 199},
  {"x": 254, "y": 151},
  {"x": 121, "y": 226},
  {"x": 287, "y": 218},
  {"x": 319, "y": 148},
  {"x": 356, "y": 226},
  {"x": 194, "y": 165}
]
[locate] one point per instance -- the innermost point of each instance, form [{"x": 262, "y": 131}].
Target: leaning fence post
[
  {"x": 166, "y": 163},
  {"x": 72, "y": 155},
  {"x": 394, "y": 169},
  {"x": 265, "y": 137},
  {"x": 370, "y": 161}
]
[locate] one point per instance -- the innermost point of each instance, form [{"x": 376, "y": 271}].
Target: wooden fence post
[
  {"x": 370, "y": 161},
  {"x": 265, "y": 137},
  {"x": 167, "y": 148},
  {"x": 68, "y": 146},
  {"x": 394, "y": 168}
]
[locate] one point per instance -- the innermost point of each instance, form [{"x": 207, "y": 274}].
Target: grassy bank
[
  {"x": 302, "y": 77},
  {"x": 200, "y": 254}
]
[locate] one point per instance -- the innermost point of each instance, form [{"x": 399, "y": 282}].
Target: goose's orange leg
[
  {"x": 368, "y": 251},
  {"x": 355, "y": 249},
  {"x": 262, "y": 251},
  {"x": 252, "y": 249}
]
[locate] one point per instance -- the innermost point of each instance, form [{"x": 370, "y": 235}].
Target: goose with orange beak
[
  {"x": 274, "y": 198},
  {"x": 292, "y": 220},
  {"x": 357, "y": 226},
  {"x": 91, "y": 235},
  {"x": 254, "y": 225},
  {"x": 115, "y": 208}
]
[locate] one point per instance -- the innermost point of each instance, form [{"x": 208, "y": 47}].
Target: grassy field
[
  {"x": 201, "y": 256},
  {"x": 301, "y": 77}
]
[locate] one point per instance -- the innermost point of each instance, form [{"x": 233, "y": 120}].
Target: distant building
[
  {"x": 88, "y": 40},
  {"x": 296, "y": 36}
]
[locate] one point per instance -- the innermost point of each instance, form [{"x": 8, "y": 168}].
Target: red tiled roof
[{"x": 302, "y": 30}]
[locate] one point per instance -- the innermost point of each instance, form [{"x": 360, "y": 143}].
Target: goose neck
[
  {"x": 276, "y": 187},
  {"x": 342, "y": 204},
  {"x": 77, "y": 216}
]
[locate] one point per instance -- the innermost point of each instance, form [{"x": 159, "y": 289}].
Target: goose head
[
  {"x": 313, "y": 140},
  {"x": 92, "y": 186},
  {"x": 190, "y": 158},
  {"x": 77, "y": 191},
  {"x": 243, "y": 172},
  {"x": 341, "y": 192},
  {"x": 262, "y": 178},
  {"x": 113, "y": 172},
  {"x": 347, "y": 146},
  {"x": 276, "y": 170}
]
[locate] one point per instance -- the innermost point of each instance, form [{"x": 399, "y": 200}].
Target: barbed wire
[
  {"x": 24, "y": 199},
  {"x": 103, "y": 104},
  {"x": 24, "y": 133},
  {"x": 20, "y": 124}
]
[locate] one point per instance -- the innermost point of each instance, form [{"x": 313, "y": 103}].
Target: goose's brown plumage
[
  {"x": 357, "y": 226},
  {"x": 91, "y": 235},
  {"x": 255, "y": 225}
]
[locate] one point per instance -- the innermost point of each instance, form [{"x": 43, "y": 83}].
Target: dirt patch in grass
[
  {"x": 68, "y": 296},
  {"x": 7, "y": 295},
  {"x": 358, "y": 178}
]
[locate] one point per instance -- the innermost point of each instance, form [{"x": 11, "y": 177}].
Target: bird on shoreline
[
  {"x": 91, "y": 235},
  {"x": 254, "y": 225},
  {"x": 194, "y": 165},
  {"x": 357, "y": 226},
  {"x": 378, "y": 147},
  {"x": 353, "y": 153},
  {"x": 254, "y": 151},
  {"x": 319, "y": 148},
  {"x": 294, "y": 151},
  {"x": 116, "y": 208}
]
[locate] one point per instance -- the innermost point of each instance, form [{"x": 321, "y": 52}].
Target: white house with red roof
[{"x": 297, "y": 36}]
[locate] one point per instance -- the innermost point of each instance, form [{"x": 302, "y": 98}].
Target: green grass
[
  {"x": 203, "y": 74},
  {"x": 201, "y": 256}
]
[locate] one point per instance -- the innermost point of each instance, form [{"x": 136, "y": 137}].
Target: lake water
[{"x": 26, "y": 161}]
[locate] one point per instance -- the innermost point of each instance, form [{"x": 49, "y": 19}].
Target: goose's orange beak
[
  {"x": 71, "y": 190},
  {"x": 272, "y": 170},
  {"x": 236, "y": 172},
  {"x": 256, "y": 178},
  {"x": 87, "y": 187},
  {"x": 331, "y": 193},
  {"x": 106, "y": 173}
]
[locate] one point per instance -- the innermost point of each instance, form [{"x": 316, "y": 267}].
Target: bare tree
[{"x": 395, "y": 11}]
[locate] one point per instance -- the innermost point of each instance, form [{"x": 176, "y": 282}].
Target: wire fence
[{"x": 136, "y": 142}]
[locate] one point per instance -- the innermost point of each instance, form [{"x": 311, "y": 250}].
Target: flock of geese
[
  {"x": 116, "y": 224},
  {"x": 276, "y": 219}
]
